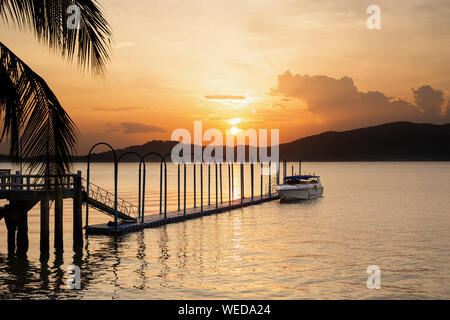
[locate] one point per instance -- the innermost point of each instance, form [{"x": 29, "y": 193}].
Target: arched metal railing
[
  {"x": 115, "y": 179},
  {"x": 139, "y": 181},
  {"x": 128, "y": 209},
  {"x": 162, "y": 158}
]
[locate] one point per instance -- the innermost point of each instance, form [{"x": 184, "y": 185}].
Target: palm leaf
[
  {"x": 90, "y": 44},
  {"x": 10, "y": 108},
  {"x": 29, "y": 107}
]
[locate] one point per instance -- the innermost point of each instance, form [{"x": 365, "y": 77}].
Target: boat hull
[{"x": 291, "y": 193}]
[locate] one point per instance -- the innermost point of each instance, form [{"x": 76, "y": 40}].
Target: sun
[{"x": 234, "y": 130}]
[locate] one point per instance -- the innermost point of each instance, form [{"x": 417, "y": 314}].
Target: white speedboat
[{"x": 300, "y": 188}]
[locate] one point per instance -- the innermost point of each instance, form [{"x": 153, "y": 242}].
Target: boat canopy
[{"x": 300, "y": 177}]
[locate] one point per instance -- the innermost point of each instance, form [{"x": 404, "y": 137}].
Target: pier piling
[
  {"x": 220, "y": 167},
  {"x": 45, "y": 225},
  {"x": 201, "y": 187},
  {"x": 209, "y": 184},
  {"x": 217, "y": 204},
  {"x": 278, "y": 172},
  {"x": 262, "y": 179},
  {"x": 270, "y": 178},
  {"x": 11, "y": 226},
  {"x": 77, "y": 213},
  {"x": 140, "y": 190},
  {"x": 22, "y": 232},
  {"x": 143, "y": 195},
  {"x": 232, "y": 180},
  {"x": 229, "y": 184},
  {"x": 165, "y": 190},
  {"x": 184, "y": 192},
  {"x": 242, "y": 182},
  {"x": 178, "y": 187},
  {"x": 58, "y": 240},
  {"x": 195, "y": 200},
  {"x": 252, "y": 176},
  {"x": 160, "y": 187},
  {"x": 16, "y": 220}
]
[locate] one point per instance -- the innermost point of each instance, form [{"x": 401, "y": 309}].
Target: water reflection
[
  {"x": 197, "y": 247},
  {"x": 164, "y": 255},
  {"x": 16, "y": 275},
  {"x": 182, "y": 255},
  {"x": 142, "y": 263},
  {"x": 114, "y": 245},
  {"x": 312, "y": 249},
  {"x": 59, "y": 273},
  {"x": 218, "y": 236},
  {"x": 44, "y": 272}
]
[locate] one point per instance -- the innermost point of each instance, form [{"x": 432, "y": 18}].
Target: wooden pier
[
  {"x": 26, "y": 191},
  {"x": 142, "y": 220},
  {"x": 156, "y": 220}
]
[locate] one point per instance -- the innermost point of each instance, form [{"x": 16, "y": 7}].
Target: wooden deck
[{"x": 156, "y": 220}]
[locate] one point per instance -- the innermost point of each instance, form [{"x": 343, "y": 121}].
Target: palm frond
[
  {"x": 28, "y": 106},
  {"x": 10, "y": 107},
  {"x": 48, "y": 19}
]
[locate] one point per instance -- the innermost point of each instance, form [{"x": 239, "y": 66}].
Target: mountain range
[{"x": 397, "y": 141}]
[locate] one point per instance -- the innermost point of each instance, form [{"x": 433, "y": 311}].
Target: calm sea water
[{"x": 393, "y": 215}]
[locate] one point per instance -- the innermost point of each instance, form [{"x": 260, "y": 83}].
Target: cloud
[
  {"x": 135, "y": 127},
  {"x": 223, "y": 97},
  {"x": 338, "y": 101},
  {"x": 447, "y": 114},
  {"x": 118, "y": 109},
  {"x": 278, "y": 106},
  {"x": 430, "y": 101}
]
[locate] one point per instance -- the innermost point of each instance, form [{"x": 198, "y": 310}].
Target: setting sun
[{"x": 234, "y": 130}]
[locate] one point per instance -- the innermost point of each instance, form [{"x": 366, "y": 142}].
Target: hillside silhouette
[{"x": 397, "y": 141}]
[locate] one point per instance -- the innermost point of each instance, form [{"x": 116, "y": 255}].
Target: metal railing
[
  {"x": 107, "y": 198},
  {"x": 23, "y": 182},
  {"x": 271, "y": 186}
]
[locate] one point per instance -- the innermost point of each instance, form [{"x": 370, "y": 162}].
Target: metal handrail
[
  {"x": 104, "y": 196},
  {"x": 272, "y": 185},
  {"x": 35, "y": 182}
]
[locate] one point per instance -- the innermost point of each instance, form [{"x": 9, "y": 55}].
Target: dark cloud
[
  {"x": 135, "y": 127},
  {"x": 447, "y": 114},
  {"x": 430, "y": 101},
  {"x": 338, "y": 101},
  {"x": 224, "y": 97}
]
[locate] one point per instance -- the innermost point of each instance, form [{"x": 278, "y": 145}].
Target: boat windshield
[{"x": 300, "y": 181}]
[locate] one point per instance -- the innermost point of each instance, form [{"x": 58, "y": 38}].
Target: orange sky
[{"x": 179, "y": 61}]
